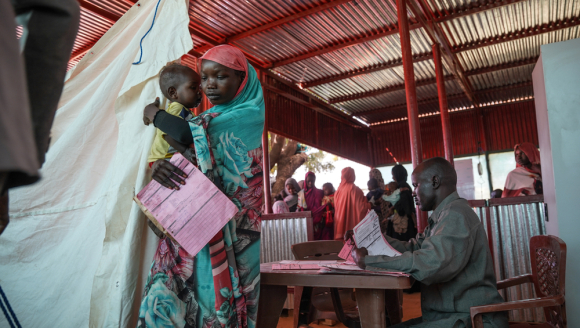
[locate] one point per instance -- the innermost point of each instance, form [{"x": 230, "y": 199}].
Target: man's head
[
  {"x": 181, "y": 84},
  {"x": 309, "y": 181},
  {"x": 372, "y": 184},
  {"x": 433, "y": 180},
  {"x": 391, "y": 187}
]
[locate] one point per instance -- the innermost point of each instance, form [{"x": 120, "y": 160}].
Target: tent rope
[
  {"x": 150, "y": 28},
  {"x": 11, "y": 320}
]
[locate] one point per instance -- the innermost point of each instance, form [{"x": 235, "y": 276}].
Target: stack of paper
[
  {"x": 301, "y": 265},
  {"x": 344, "y": 268},
  {"x": 192, "y": 215}
]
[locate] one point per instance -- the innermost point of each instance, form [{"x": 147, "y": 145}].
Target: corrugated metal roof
[{"x": 323, "y": 44}]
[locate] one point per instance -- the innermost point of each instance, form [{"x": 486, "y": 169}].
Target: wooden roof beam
[
  {"x": 284, "y": 20},
  {"x": 474, "y": 8},
  {"x": 352, "y": 41},
  {"x": 524, "y": 33}
]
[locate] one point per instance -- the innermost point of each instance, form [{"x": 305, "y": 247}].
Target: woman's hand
[
  {"x": 150, "y": 111},
  {"x": 167, "y": 174}
]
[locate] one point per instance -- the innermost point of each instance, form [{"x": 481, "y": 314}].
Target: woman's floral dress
[{"x": 218, "y": 287}]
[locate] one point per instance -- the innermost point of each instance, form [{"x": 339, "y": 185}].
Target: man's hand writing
[{"x": 358, "y": 255}]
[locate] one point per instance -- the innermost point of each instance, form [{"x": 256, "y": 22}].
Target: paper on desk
[
  {"x": 346, "y": 252},
  {"x": 343, "y": 268},
  {"x": 301, "y": 265},
  {"x": 192, "y": 215},
  {"x": 368, "y": 234}
]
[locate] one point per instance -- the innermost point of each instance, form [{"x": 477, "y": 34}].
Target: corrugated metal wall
[
  {"x": 505, "y": 126},
  {"x": 512, "y": 227},
  {"x": 294, "y": 120},
  {"x": 279, "y": 235}
]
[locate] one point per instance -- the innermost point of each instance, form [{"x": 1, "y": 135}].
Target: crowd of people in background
[{"x": 335, "y": 211}]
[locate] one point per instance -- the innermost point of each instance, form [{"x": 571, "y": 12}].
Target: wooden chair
[
  {"x": 548, "y": 255},
  {"x": 324, "y": 303}
]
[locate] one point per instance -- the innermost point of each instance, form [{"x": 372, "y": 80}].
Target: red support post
[
  {"x": 443, "y": 109},
  {"x": 266, "y": 161},
  {"x": 411, "y": 95}
]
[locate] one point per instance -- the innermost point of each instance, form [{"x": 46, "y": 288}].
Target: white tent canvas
[{"x": 77, "y": 250}]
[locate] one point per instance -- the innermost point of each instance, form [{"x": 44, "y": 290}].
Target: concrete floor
[{"x": 411, "y": 309}]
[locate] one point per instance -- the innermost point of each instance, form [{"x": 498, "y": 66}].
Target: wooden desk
[{"x": 370, "y": 292}]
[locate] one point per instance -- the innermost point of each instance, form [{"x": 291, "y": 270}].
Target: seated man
[{"x": 451, "y": 258}]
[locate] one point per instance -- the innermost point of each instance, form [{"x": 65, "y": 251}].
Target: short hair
[
  {"x": 440, "y": 166},
  {"x": 173, "y": 75}
]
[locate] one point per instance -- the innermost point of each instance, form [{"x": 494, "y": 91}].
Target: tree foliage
[{"x": 287, "y": 155}]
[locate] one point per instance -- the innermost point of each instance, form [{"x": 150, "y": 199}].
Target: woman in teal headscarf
[{"x": 219, "y": 286}]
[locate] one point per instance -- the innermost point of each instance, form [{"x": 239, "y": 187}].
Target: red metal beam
[
  {"x": 352, "y": 41},
  {"x": 111, "y": 17},
  {"x": 445, "y": 122},
  {"x": 474, "y": 8},
  {"x": 424, "y": 82},
  {"x": 437, "y": 36},
  {"x": 524, "y": 33},
  {"x": 410, "y": 87},
  {"x": 500, "y": 67},
  {"x": 366, "y": 70},
  {"x": 285, "y": 20},
  {"x": 434, "y": 100},
  {"x": 379, "y": 92}
]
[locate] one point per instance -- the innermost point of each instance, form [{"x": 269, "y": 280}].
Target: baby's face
[
  {"x": 391, "y": 187},
  {"x": 327, "y": 191},
  {"x": 189, "y": 92}
]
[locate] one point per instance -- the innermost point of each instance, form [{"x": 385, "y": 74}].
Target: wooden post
[
  {"x": 266, "y": 159},
  {"x": 443, "y": 109},
  {"x": 411, "y": 94}
]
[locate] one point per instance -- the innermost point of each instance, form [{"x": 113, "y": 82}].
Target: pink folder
[{"x": 192, "y": 215}]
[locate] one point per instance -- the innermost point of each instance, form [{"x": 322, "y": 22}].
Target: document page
[
  {"x": 192, "y": 215},
  {"x": 301, "y": 265},
  {"x": 368, "y": 234}
]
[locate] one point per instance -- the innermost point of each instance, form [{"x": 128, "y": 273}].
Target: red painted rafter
[
  {"x": 474, "y": 8},
  {"x": 366, "y": 70},
  {"x": 437, "y": 36},
  {"x": 352, "y": 41},
  {"x": 401, "y": 86},
  {"x": 435, "y": 100},
  {"x": 500, "y": 67},
  {"x": 379, "y": 92},
  {"x": 524, "y": 33},
  {"x": 285, "y": 20}
]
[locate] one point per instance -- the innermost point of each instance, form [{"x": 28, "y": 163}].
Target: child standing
[{"x": 328, "y": 201}]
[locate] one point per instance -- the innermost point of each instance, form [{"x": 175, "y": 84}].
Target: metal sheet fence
[
  {"x": 280, "y": 232},
  {"x": 512, "y": 223}
]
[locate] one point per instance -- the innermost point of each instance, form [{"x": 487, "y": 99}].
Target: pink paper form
[{"x": 193, "y": 215}]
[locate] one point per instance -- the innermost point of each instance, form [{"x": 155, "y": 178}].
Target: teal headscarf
[{"x": 243, "y": 116}]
